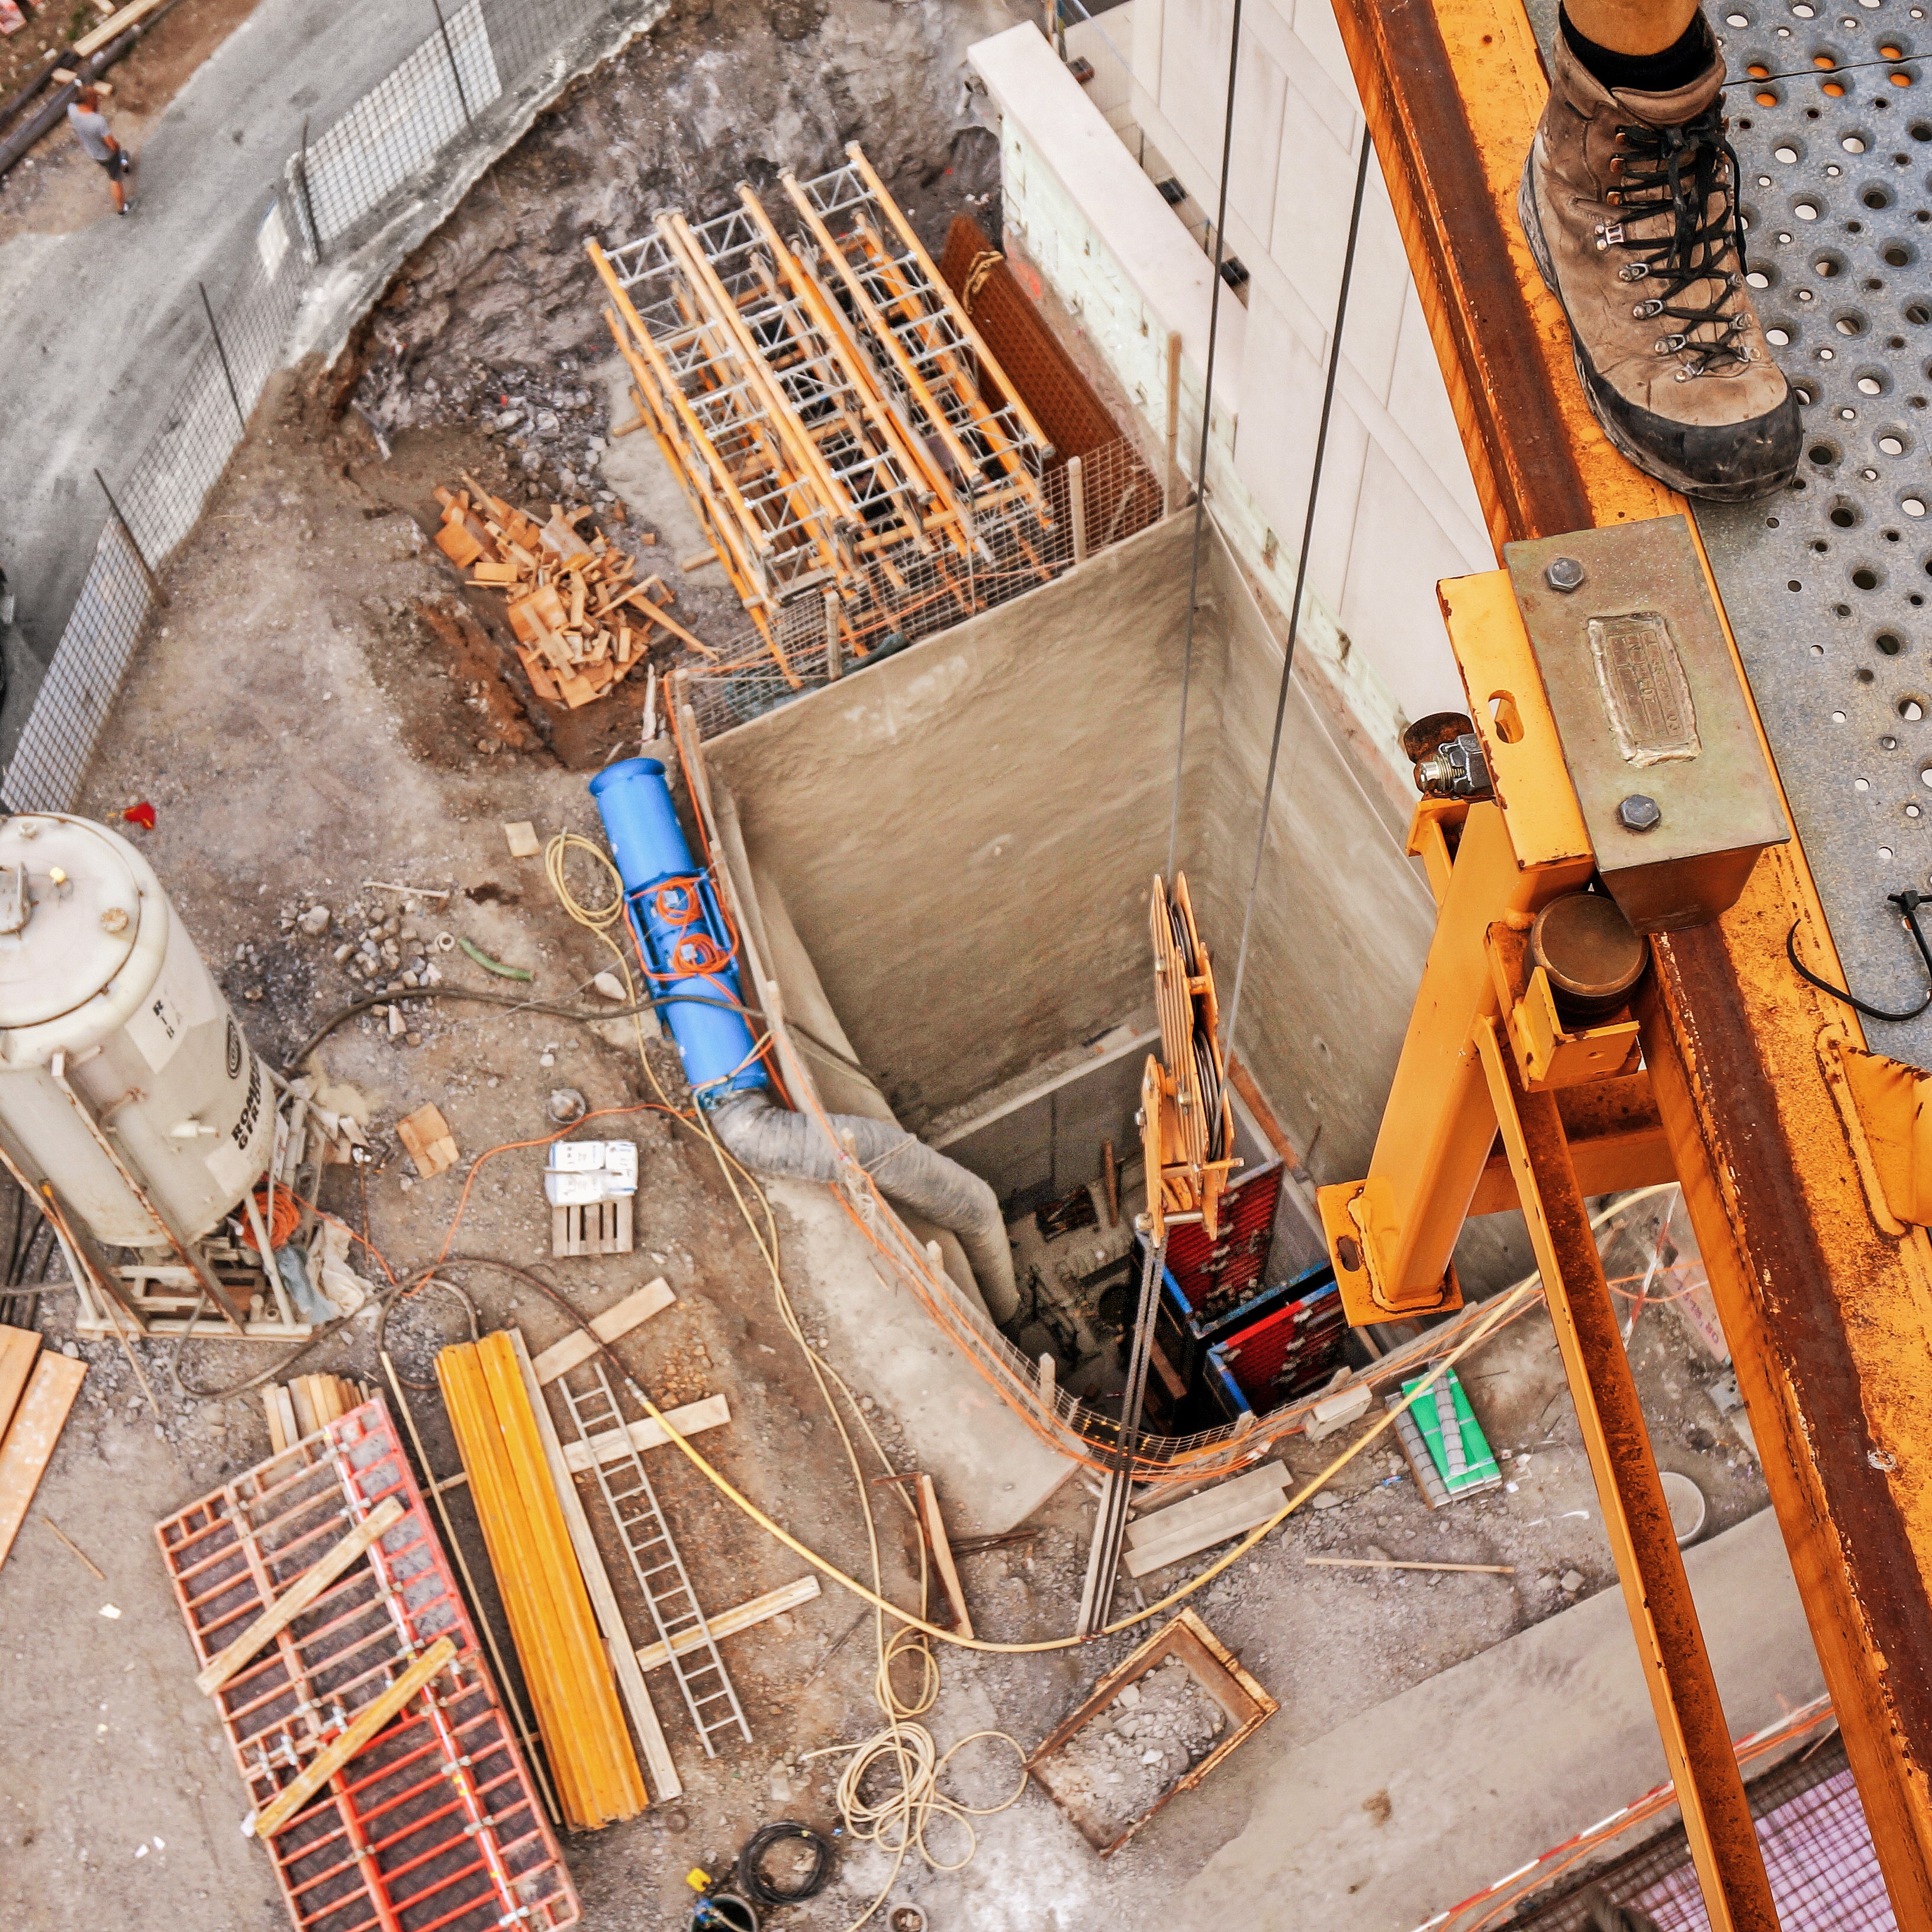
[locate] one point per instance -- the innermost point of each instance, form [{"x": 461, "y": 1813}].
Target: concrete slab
[{"x": 1359, "y": 1830}]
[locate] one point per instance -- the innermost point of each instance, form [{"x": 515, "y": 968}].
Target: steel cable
[{"x": 1300, "y": 579}]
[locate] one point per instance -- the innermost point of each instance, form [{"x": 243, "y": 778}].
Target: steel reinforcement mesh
[{"x": 743, "y": 680}]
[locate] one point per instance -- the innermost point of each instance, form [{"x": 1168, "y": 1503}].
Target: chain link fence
[{"x": 472, "y": 56}]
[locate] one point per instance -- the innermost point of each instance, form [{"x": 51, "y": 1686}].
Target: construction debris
[
  {"x": 1165, "y": 1717},
  {"x": 545, "y": 1600},
  {"x": 427, "y": 1140},
  {"x": 581, "y": 624}
]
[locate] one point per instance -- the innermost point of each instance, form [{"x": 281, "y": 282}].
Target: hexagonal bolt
[
  {"x": 1639, "y": 814},
  {"x": 1563, "y": 573}
]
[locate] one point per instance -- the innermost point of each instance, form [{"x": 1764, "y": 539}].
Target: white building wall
[{"x": 1398, "y": 510}]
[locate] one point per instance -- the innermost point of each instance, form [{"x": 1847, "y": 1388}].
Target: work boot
[{"x": 1629, "y": 204}]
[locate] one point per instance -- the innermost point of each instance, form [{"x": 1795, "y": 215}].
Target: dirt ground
[
  {"x": 322, "y": 705},
  {"x": 56, "y": 189}
]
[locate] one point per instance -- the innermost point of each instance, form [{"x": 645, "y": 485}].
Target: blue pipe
[{"x": 675, "y": 916}]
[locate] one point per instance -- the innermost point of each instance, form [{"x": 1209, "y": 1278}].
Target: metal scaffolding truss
[{"x": 842, "y": 433}]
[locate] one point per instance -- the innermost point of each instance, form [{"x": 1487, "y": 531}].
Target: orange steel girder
[{"x": 1826, "y": 1305}]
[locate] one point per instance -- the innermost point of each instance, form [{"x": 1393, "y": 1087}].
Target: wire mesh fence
[
  {"x": 470, "y": 56},
  {"x": 397, "y": 128},
  {"x": 150, "y": 511},
  {"x": 1818, "y": 1854},
  {"x": 1118, "y": 496}
]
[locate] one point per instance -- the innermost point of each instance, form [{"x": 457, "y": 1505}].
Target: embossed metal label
[{"x": 1646, "y": 694}]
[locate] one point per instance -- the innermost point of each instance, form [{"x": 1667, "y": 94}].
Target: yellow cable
[{"x": 898, "y": 1821}]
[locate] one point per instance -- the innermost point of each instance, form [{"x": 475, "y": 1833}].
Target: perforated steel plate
[{"x": 1828, "y": 587}]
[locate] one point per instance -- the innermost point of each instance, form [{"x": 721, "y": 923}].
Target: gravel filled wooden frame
[{"x": 1214, "y": 1668}]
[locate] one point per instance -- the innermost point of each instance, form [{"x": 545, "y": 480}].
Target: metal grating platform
[{"x": 1828, "y": 586}]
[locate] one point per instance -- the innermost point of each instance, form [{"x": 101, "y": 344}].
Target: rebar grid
[{"x": 913, "y": 598}]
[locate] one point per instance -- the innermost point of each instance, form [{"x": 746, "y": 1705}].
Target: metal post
[
  {"x": 1076, "y": 492},
  {"x": 221, "y": 350},
  {"x": 133, "y": 542},
  {"x": 1110, "y": 1523},
  {"x": 455, "y": 72},
  {"x": 1171, "y": 485},
  {"x": 308, "y": 202},
  {"x": 834, "y": 665}
]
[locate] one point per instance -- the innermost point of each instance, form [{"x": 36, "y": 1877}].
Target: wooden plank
[
  {"x": 298, "y": 1596},
  {"x": 306, "y": 1423},
  {"x": 114, "y": 25},
  {"x": 366, "y": 1722},
  {"x": 942, "y": 1554},
  {"x": 713, "y": 1412},
  {"x": 292, "y": 1432},
  {"x": 427, "y": 1139},
  {"x": 272, "y": 1408},
  {"x": 18, "y": 1348},
  {"x": 1230, "y": 1511},
  {"x": 639, "y": 1306},
  {"x": 31, "y": 1436},
  {"x": 664, "y": 1780},
  {"x": 729, "y": 1623}
]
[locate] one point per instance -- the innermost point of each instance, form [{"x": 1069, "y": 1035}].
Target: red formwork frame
[{"x": 434, "y": 1826}]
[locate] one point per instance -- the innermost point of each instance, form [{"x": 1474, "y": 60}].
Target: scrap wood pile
[{"x": 581, "y": 623}]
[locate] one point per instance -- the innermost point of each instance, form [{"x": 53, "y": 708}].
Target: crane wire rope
[
  {"x": 1300, "y": 581},
  {"x": 1206, "y": 428}
]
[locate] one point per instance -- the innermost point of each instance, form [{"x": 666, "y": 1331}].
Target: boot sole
[{"x": 1645, "y": 456}]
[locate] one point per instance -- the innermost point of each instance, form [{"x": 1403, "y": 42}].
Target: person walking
[
  {"x": 1629, "y": 202},
  {"x": 90, "y": 127}
]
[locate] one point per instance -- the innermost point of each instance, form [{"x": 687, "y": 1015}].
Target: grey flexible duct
[{"x": 772, "y": 1140}]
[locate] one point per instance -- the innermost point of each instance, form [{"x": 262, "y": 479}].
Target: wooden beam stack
[
  {"x": 544, "y": 1597},
  {"x": 297, "y": 1409},
  {"x": 581, "y": 624},
  {"x": 37, "y": 1390}
]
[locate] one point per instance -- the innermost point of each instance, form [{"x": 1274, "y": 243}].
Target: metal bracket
[{"x": 1675, "y": 790}]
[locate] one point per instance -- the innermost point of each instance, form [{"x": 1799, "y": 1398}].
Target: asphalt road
[{"x": 98, "y": 324}]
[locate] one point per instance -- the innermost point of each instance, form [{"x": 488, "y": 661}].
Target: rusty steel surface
[
  {"x": 1074, "y": 418},
  {"x": 1829, "y": 1321},
  {"x": 1636, "y": 1520}
]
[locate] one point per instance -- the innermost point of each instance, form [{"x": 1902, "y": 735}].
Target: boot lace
[{"x": 1686, "y": 176}]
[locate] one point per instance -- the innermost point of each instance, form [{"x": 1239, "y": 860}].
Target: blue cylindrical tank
[{"x": 675, "y": 916}]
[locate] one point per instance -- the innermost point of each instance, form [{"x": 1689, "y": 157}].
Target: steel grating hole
[{"x": 1827, "y": 588}]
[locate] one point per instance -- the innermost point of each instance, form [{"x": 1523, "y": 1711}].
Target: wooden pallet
[{"x": 598, "y": 1228}]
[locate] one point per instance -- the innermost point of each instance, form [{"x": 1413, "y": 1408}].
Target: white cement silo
[{"x": 124, "y": 1079}]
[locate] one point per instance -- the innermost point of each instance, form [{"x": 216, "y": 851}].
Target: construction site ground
[{"x": 321, "y": 704}]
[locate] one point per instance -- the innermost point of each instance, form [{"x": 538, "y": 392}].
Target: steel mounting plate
[{"x": 1648, "y": 704}]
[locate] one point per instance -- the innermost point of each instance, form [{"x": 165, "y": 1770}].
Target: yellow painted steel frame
[{"x": 1825, "y": 1295}]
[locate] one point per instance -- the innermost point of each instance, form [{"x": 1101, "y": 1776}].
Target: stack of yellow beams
[{"x": 563, "y": 1657}]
